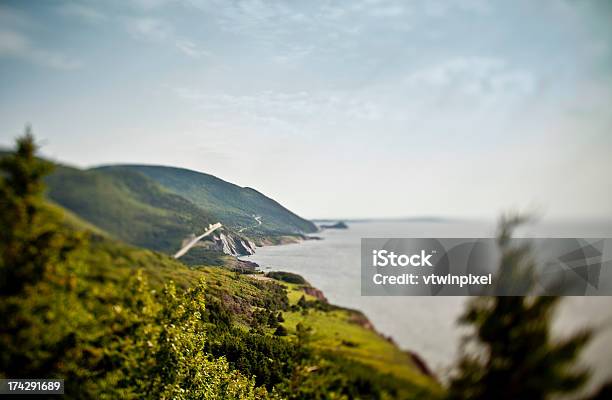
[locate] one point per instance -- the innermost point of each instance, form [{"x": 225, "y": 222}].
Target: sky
[{"x": 337, "y": 109}]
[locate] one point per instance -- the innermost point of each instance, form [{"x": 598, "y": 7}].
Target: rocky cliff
[
  {"x": 233, "y": 244},
  {"x": 223, "y": 241}
]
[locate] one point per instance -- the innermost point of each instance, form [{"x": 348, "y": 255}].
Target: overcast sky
[{"x": 335, "y": 109}]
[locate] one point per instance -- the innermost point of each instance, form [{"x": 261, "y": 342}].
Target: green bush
[{"x": 287, "y": 277}]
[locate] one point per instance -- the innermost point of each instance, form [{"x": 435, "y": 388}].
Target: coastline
[
  {"x": 265, "y": 241},
  {"x": 357, "y": 317},
  {"x": 431, "y": 329}
]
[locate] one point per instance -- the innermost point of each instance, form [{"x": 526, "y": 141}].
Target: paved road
[
  {"x": 211, "y": 228},
  {"x": 257, "y": 218}
]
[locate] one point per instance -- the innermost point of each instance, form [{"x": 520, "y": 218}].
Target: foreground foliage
[
  {"x": 107, "y": 342},
  {"x": 512, "y": 354}
]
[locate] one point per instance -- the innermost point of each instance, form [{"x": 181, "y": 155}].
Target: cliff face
[
  {"x": 223, "y": 241},
  {"x": 315, "y": 293},
  {"x": 233, "y": 245}
]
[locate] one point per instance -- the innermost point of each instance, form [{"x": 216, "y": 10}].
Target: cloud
[
  {"x": 393, "y": 10},
  {"x": 11, "y": 17},
  {"x": 290, "y": 31},
  {"x": 150, "y": 4},
  {"x": 269, "y": 19},
  {"x": 160, "y": 31},
  {"x": 474, "y": 76},
  {"x": 293, "y": 54},
  {"x": 17, "y": 45},
  {"x": 287, "y": 112},
  {"x": 82, "y": 12},
  {"x": 149, "y": 28},
  {"x": 189, "y": 48},
  {"x": 142, "y": 26},
  {"x": 438, "y": 8}
]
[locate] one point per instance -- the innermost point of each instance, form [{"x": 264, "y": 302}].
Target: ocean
[{"x": 428, "y": 325}]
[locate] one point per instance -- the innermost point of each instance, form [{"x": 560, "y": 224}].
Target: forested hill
[
  {"x": 127, "y": 205},
  {"x": 160, "y": 207},
  {"x": 235, "y": 206}
]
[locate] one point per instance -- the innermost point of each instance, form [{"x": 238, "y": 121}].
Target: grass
[
  {"x": 334, "y": 331},
  {"x": 337, "y": 331},
  {"x": 294, "y": 293}
]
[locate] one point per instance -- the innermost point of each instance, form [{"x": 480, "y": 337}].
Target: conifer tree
[
  {"x": 33, "y": 251},
  {"x": 302, "y": 302},
  {"x": 512, "y": 353},
  {"x": 28, "y": 242},
  {"x": 280, "y": 331}
]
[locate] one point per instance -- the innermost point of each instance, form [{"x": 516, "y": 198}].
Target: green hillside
[
  {"x": 127, "y": 205},
  {"x": 115, "y": 321},
  {"x": 235, "y": 206},
  {"x": 114, "y": 300}
]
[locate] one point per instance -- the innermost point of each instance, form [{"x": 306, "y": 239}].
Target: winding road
[
  {"x": 211, "y": 228},
  {"x": 256, "y": 218}
]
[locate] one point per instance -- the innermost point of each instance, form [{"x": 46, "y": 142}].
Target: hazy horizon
[{"x": 367, "y": 109}]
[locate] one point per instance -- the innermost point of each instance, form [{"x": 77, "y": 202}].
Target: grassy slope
[
  {"x": 335, "y": 331},
  {"x": 230, "y": 203},
  {"x": 111, "y": 263},
  {"x": 128, "y": 206},
  {"x": 116, "y": 262},
  {"x": 338, "y": 332}
]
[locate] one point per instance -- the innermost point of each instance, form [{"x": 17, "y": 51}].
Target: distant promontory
[{"x": 337, "y": 225}]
